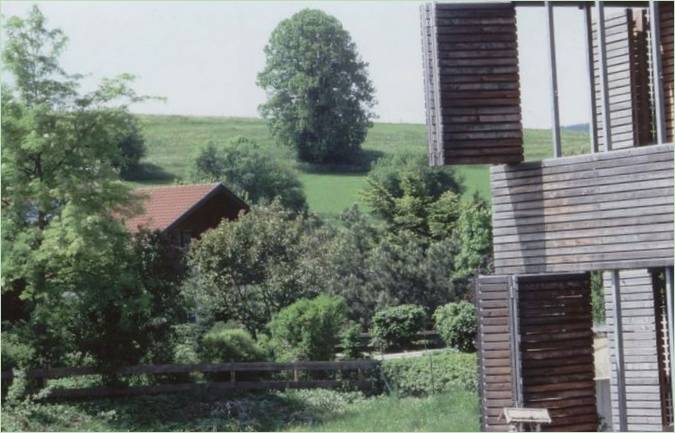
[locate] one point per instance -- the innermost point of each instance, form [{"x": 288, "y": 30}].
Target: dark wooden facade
[
  {"x": 472, "y": 87},
  {"x": 556, "y": 220}
]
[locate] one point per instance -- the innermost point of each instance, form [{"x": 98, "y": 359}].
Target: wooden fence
[{"x": 238, "y": 377}]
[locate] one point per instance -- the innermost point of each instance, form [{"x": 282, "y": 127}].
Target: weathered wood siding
[
  {"x": 666, "y": 29},
  {"x": 556, "y": 344},
  {"x": 472, "y": 87},
  {"x": 641, "y": 372},
  {"x": 611, "y": 210},
  {"x": 627, "y": 79},
  {"x": 494, "y": 350}
]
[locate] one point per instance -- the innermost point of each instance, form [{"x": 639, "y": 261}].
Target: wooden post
[
  {"x": 295, "y": 375},
  {"x": 233, "y": 376},
  {"x": 515, "y": 342},
  {"x": 588, "y": 28},
  {"x": 618, "y": 351},
  {"x": 555, "y": 110},
  {"x": 669, "y": 310},
  {"x": 604, "y": 86},
  {"x": 657, "y": 71}
]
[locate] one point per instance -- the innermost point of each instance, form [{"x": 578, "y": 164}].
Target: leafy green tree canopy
[
  {"x": 252, "y": 172},
  {"x": 319, "y": 94}
]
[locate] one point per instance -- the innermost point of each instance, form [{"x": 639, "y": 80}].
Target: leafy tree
[
  {"x": 308, "y": 329},
  {"x": 409, "y": 195},
  {"x": 65, "y": 258},
  {"x": 252, "y": 172},
  {"x": 131, "y": 144},
  {"x": 474, "y": 238},
  {"x": 247, "y": 270},
  {"x": 319, "y": 93}
]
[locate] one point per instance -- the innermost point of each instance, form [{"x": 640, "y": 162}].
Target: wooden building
[
  {"x": 184, "y": 212},
  {"x": 555, "y": 221}
]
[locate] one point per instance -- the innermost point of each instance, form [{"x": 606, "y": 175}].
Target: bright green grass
[
  {"x": 174, "y": 141},
  {"x": 447, "y": 412}
]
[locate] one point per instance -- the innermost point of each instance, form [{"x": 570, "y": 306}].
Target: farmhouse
[
  {"x": 184, "y": 212},
  {"x": 555, "y": 221}
]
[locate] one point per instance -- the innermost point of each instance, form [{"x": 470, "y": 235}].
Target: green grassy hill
[{"x": 173, "y": 143}]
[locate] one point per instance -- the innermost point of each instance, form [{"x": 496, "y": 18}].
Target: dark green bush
[
  {"x": 396, "y": 327},
  {"x": 15, "y": 353},
  {"x": 308, "y": 329},
  {"x": 456, "y": 324},
  {"x": 351, "y": 341},
  {"x": 426, "y": 375},
  {"x": 222, "y": 343}
]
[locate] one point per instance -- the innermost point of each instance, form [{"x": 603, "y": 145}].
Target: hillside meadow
[{"x": 174, "y": 141}]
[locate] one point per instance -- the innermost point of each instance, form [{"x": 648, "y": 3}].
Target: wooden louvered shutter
[
  {"x": 472, "y": 87},
  {"x": 628, "y": 80},
  {"x": 666, "y": 29}
]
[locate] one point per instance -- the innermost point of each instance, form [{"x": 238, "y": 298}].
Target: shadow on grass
[
  {"x": 360, "y": 165},
  {"x": 147, "y": 171}
]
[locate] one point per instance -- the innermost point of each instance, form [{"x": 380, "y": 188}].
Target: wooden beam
[
  {"x": 618, "y": 351},
  {"x": 555, "y": 109},
  {"x": 604, "y": 88},
  {"x": 669, "y": 309},
  {"x": 657, "y": 71},
  {"x": 515, "y": 342},
  {"x": 588, "y": 28}
]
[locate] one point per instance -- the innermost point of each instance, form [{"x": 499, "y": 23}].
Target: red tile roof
[{"x": 164, "y": 205}]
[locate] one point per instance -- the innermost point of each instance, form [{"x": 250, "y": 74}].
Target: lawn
[
  {"x": 174, "y": 141},
  {"x": 299, "y": 410}
]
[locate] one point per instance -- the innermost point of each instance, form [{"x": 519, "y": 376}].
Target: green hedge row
[{"x": 428, "y": 374}]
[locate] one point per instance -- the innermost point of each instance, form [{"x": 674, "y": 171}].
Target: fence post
[
  {"x": 295, "y": 374},
  {"x": 233, "y": 376}
]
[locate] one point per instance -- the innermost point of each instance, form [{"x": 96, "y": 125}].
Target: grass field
[
  {"x": 300, "y": 410},
  {"x": 173, "y": 142}
]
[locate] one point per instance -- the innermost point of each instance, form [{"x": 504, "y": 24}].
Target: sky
[{"x": 203, "y": 56}]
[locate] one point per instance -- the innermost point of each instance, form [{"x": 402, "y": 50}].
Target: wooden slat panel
[
  {"x": 666, "y": 30},
  {"x": 609, "y": 210},
  {"x": 494, "y": 350},
  {"x": 472, "y": 88},
  {"x": 557, "y": 363}
]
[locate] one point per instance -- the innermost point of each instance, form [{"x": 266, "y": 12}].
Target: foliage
[
  {"x": 598, "y": 297},
  {"x": 407, "y": 194},
  {"x": 424, "y": 375},
  {"x": 65, "y": 256},
  {"x": 319, "y": 93},
  {"x": 396, "y": 327},
  {"x": 350, "y": 340},
  {"x": 456, "y": 324},
  {"x": 246, "y": 270},
  {"x": 250, "y": 171},
  {"x": 474, "y": 237},
  {"x": 222, "y": 343},
  {"x": 131, "y": 144},
  {"x": 15, "y": 353},
  {"x": 308, "y": 329},
  {"x": 160, "y": 272}
]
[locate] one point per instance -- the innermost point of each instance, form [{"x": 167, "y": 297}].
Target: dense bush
[
  {"x": 395, "y": 327},
  {"x": 429, "y": 374},
  {"x": 351, "y": 341},
  {"x": 223, "y": 343},
  {"x": 15, "y": 353},
  {"x": 250, "y": 170},
  {"x": 308, "y": 329},
  {"x": 456, "y": 324}
]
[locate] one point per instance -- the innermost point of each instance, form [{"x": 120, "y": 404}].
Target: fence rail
[{"x": 233, "y": 384}]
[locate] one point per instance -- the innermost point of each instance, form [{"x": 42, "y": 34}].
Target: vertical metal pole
[
  {"x": 588, "y": 27},
  {"x": 555, "y": 111},
  {"x": 515, "y": 342},
  {"x": 657, "y": 71},
  {"x": 604, "y": 87},
  {"x": 669, "y": 309},
  {"x": 618, "y": 352}
]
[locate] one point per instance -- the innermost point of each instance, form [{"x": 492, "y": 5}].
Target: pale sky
[{"x": 203, "y": 57}]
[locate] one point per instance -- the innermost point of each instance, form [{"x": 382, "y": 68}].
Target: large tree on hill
[{"x": 319, "y": 93}]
